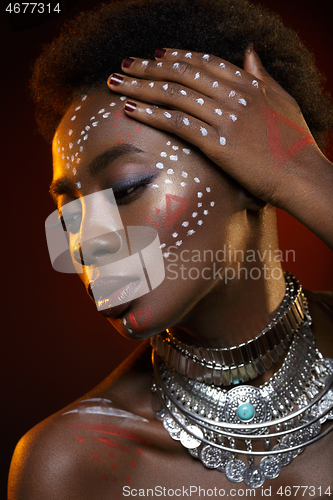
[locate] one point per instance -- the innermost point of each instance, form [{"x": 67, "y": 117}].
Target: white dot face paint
[
  {"x": 186, "y": 121},
  {"x": 174, "y": 54},
  {"x": 174, "y": 157},
  {"x": 134, "y": 82},
  {"x": 159, "y": 65},
  {"x": 73, "y": 118},
  {"x": 170, "y": 171},
  {"x": 215, "y": 85},
  {"x": 176, "y": 65},
  {"x": 238, "y": 73},
  {"x": 255, "y": 83},
  {"x": 242, "y": 101},
  {"x": 164, "y": 154},
  {"x": 183, "y": 92},
  {"x": 232, "y": 93},
  {"x": 145, "y": 63},
  {"x": 218, "y": 111},
  {"x": 206, "y": 57},
  {"x": 223, "y": 141},
  {"x": 184, "y": 174},
  {"x": 186, "y": 151},
  {"x": 200, "y": 101},
  {"x": 222, "y": 65},
  {"x": 203, "y": 131},
  {"x": 185, "y": 223},
  {"x": 165, "y": 87},
  {"x": 197, "y": 75},
  {"x": 174, "y": 235},
  {"x": 233, "y": 117},
  {"x": 175, "y": 148},
  {"x": 196, "y": 179},
  {"x": 200, "y": 222},
  {"x": 167, "y": 115},
  {"x": 151, "y": 84},
  {"x": 188, "y": 55},
  {"x": 190, "y": 232},
  {"x": 159, "y": 165}
]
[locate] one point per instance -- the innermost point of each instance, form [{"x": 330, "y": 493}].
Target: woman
[{"x": 198, "y": 143}]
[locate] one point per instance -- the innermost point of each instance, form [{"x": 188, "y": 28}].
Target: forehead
[{"x": 92, "y": 123}]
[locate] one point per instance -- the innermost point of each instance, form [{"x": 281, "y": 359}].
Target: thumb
[{"x": 252, "y": 64}]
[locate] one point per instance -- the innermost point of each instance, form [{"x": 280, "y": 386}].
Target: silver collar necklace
[{"x": 270, "y": 425}]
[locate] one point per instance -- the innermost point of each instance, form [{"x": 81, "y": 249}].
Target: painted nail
[
  {"x": 130, "y": 106},
  {"x": 127, "y": 62},
  {"x": 115, "y": 80},
  {"x": 159, "y": 53}
]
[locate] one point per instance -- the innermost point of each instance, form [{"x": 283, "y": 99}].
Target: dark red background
[{"x": 54, "y": 343}]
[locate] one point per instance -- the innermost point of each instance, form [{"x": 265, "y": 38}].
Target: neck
[{"x": 236, "y": 310}]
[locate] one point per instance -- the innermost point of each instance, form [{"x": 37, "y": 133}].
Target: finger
[
  {"x": 178, "y": 97},
  {"x": 209, "y": 76},
  {"x": 208, "y": 62},
  {"x": 186, "y": 127},
  {"x": 252, "y": 64}
]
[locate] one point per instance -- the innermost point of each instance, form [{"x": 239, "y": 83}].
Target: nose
[{"x": 102, "y": 237}]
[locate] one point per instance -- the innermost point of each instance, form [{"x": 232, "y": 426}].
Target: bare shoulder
[{"x": 92, "y": 448}]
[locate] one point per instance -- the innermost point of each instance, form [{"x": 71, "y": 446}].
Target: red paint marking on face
[
  {"x": 95, "y": 456},
  {"x": 113, "y": 430},
  {"x": 118, "y": 134},
  {"x": 105, "y": 477},
  {"x": 111, "y": 454},
  {"x": 138, "y": 129},
  {"x": 121, "y": 114},
  {"x": 139, "y": 451},
  {"x": 280, "y": 154},
  {"x": 80, "y": 439},
  {"x": 108, "y": 442},
  {"x": 129, "y": 136},
  {"x": 115, "y": 479},
  {"x": 175, "y": 206},
  {"x": 148, "y": 219},
  {"x": 133, "y": 464},
  {"x": 157, "y": 210},
  {"x": 128, "y": 479},
  {"x": 157, "y": 224},
  {"x": 140, "y": 319},
  {"x": 120, "y": 141},
  {"x": 115, "y": 125},
  {"x": 114, "y": 466}
]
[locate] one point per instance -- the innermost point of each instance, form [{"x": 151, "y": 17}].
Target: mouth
[{"x": 112, "y": 294}]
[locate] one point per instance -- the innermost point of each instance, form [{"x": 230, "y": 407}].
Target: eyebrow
[{"x": 101, "y": 162}]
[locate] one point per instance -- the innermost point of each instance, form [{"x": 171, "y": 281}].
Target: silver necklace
[
  {"x": 227, "y": 366},
  {"x": 284, "y": 415}
]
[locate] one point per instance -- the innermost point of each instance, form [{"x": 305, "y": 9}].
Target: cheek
[{"x": 182, "y": 197}]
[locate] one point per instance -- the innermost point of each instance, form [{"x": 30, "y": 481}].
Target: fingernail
[
  {"x": 159, "y": 53},
  {"x": 115, "y": 80},
  {"x": 130, "y": 106},
  {"x": 252, "y": 47},
  {"x": 127, "y": 62}
]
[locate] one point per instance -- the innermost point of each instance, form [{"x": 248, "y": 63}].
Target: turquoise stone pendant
[{"x": 245, "y": 412}]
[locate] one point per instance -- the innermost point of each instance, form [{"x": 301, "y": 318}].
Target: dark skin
[{"x": 61, "y": 459}]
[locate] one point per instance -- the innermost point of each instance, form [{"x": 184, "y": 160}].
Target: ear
[{"x": 250, "y": 202}]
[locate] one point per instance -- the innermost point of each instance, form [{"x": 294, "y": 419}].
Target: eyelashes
[{"x": 124, "y": 193}]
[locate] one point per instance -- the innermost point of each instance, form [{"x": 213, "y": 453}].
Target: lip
[{"x": 113, "y": 293}]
